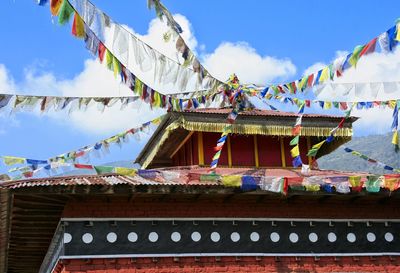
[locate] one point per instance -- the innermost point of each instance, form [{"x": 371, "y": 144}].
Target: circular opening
[
  {"x": 153, "y": 237},
  {"x": 215, "y": 237},
  {"x": 235, "y": 237},
  {"x": 389, "y": 237},
  {"x": 175, "y": 236},
  {"x": 67, "y": 238},
  {"x": 254, "y": 236},
  {"x": 274, "y": 237},
  {"x": 313, "y": 237},
  {"x": 132, "y": 237},
  {"x": 332, "y": 237},
  {"x": 293, "y": 237},
  {"x": 371, "y": 237},
  {"x": 111, "y": 237},
  {"x": 196, "y": 236},
  {"x": 351, "y": 237},
  {"x": 87, "y": 238}
]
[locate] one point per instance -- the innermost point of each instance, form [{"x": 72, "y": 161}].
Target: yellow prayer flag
[
  {"x": 232, "y": 180},
  {"x": 395, "y": 138},
  {"x": 12, "y": 160},
  {"x": 328, "y": 105},
  {"x": 324, "y": 75},
  {"x": 318, "y": 145},
  {"x": 295, "y": 151},
  {"x": 78, "y": 26},
  {"x": 125, "y": 171},
  {"x": 355, "y": 181},
  {"x": 157, "y": 120},
  {"x": 315, "y": 187},
  {"x": 398, "y": 32},
  {"x": 391, "y": 183}
]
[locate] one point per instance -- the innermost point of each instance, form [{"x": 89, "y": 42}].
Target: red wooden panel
[
  {"x": 242, "y": 149},
  {"x": 209, "y": 142},
  {"x": 302, "y": 147},
  {"x": 195, "y": 151},
  {"x": 189, "y": 152},
  {"x": 269, "y": 151}
]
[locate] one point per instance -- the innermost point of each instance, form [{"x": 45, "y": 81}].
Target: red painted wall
[
  {"x": 180, "y": 205},
  {"x": 242, "y": 150},
  {"x": 269, "y": 151},
  {"x": 231, "y": 264}
]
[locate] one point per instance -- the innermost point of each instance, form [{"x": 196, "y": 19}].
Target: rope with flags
[
  {"x": 295, "y": 151},
  {"x": 315, "y": 148}
]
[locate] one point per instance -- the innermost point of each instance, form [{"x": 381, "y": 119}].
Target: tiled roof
[
  {"x": 187, "y": 176},
  {"x": 257, "y": 112}
]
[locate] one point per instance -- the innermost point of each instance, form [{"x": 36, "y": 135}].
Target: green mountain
[{"x": 378, "y": 147}]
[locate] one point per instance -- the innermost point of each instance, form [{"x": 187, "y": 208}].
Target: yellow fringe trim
[
  {"x": 173, "y": 126},
  {"x": 275, "y": 130}
]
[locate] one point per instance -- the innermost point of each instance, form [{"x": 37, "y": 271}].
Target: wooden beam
[
  {"x": 256, "y": 160},
  {"x": 181, "y": 144},
  {"x": 283, "y": 158},
  {"x": 200, "y": 148},
  {"x": 229, "y": 151}
]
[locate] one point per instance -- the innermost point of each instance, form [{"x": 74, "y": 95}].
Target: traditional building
[{"x": 174, "y": 216}]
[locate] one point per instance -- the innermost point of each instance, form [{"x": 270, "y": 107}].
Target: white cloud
[
  {"x": 96, "y": 80},
  {"x": 7, "y": 84},
  {"x": 376, "y": 67},
  {"x": 313, "y": 68},
  {"x": 249, "y": 66},
  {"x": 157, "y": 29}
]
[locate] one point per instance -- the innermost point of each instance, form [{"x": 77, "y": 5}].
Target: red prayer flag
[
  {"x": 102, "y": 51},
  {"x": 343, "y": 105},
  {"x": 369, "y": 48},
  {"x": 310, "y": 80},
  {"x": 341, "y": 123},
  {"x": 82, "y": 166}
]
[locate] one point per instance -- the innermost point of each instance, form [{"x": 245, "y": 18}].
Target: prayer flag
[
  {"x": 12, "y": 160},
  {"x": 232, "y": 180},
  {"x": 324, "y": 74},
  {"x": 373, "y": 184},
  {"x": 125, "y": 171},
  {"x": 78, "y": 26},
  {"x": 55, "y": 6},
  {"x": 103, "y": 169},
  {"x": 295, "y": 151},
  {"x": 249, "y": 183},
  {"x": 65, "y": 12},
  {"x": 295, "y": 141}
]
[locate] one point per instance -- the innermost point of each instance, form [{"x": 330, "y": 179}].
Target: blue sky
[{"x": 38, "y": 55}]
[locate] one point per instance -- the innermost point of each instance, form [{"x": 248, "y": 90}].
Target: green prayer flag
[
  {"x": 103, "y": 169},
  {"x": 356, "y": 55},
  {"x": 295, "y": 141},
  {"x": 210, "y": 177},
  {"x": 373, "y": 184},
  {"x": 109, "y": 59},
  {"x": 138, "y": 87},
  {"x": 65, "y": 13},
  {"x": 312, "y": 152}
]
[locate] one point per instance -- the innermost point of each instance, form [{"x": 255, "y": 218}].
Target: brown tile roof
[{"x": 188, "y": 176}]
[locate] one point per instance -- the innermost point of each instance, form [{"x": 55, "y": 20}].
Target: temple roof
[{"x": 176, "y": 126}]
